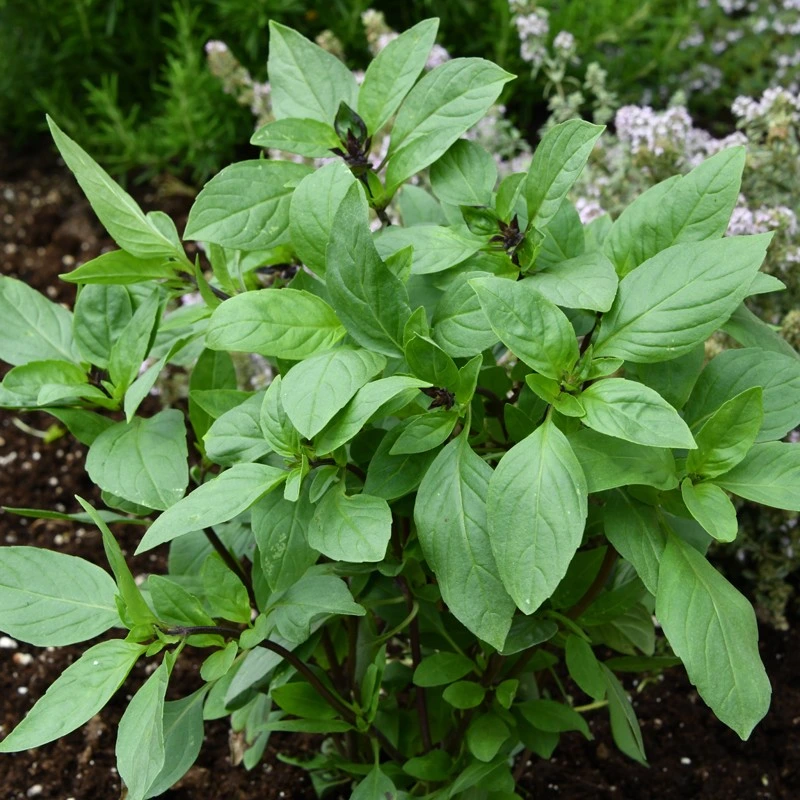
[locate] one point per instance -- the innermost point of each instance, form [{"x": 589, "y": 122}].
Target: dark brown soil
[{"x": 46, "y": 228}]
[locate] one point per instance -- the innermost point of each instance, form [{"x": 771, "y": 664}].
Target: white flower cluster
[
  {"x": 533, "y": 27},
  {"x": 732, "y": 6},
  {"x": 746, "y": 221},
  {"x": 747, "y": 109},
  {"x": 654, "y": 131}
]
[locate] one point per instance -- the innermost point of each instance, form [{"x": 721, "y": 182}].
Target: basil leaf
[
  {"x": 712, "y": 629},
  {"x": 289, "y": 323},
  {"x": 465, "y": 175},
  {"x": 306, "y": 137},
  {"x": 537, "y": 507},
  {"x": 710, "y": 506},
  {"x": 450, "y": 515}
]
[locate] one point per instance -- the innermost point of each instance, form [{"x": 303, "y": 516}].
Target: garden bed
[{"x": 45, "y": 228}]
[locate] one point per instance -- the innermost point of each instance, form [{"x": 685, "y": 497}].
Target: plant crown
[{"x": 487, "y": 451}]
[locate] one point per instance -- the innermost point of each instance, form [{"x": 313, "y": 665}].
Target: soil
[{"x": 46, "y": 228}]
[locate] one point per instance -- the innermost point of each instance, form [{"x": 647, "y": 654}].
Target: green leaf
[
  {"x": 584, "y": 668},
  {"x": 275, "y": 425},
  {"x": 444, "y": 104},
  {"x": 128, "y": 226},
  {"x": 53, "y": 599},
  {"x": 218, "y": 500},
  {"x": 143, "y": 461},
  {"x": 236, "y": 435},
  {"x": 679, "y": 297},
  {"x": 531, "y": 326},
  {"x": 369, "y": 299},
  {"x": 768, "y": 474},
  {"x": 712, "y": 629},
  {"x": 747, "y": 329},
  {"x": 353, "y": 528},
  {"x": 76, "y": 695},
  {"x": 300, "y": 699},
  {"x": 313, "y": 209},
  {"x": 133, "y": 343},
  {"x": 366, "y": 402},
  {"x": 691, "y": 208},
  {"x": 305, "y": 80},
  {"x": 459, "y": 325},
  {"x": 710, "y": 506},
  {"x": 418, "y": 207},
  {"x": 281, "y": 530},
  {"x": 293, "y": 611},
  {"x": 31, "y": 383},
  {"x": 436, "y": 248},
  {"x": 624, "y": 725},
  {"x": 34, "y": 328},
  {"x": 306, "y": 137},
  {"x": 673, "y": 379},
  {"x": 564, "y": 237},
  {"x": 586, "y": 281},
  {"x": 224, "y": 593},
  {"x": 136, "y": 610},
  {"x": 464, "y": 694},
  {"x": 119, "y": 268},
  {"x": 246, "y": 206},
  {"x": 183, "y": 737},
  {"x": 486, "y": 735},
  {"x": 450, "y": 516},
  {"x": 289, "y": 324},
  {"x": 425, "y": 432},
  {"x": 557, "y": 162},
  {"x": 634, "y": 531},
  {"x": 430, "y": 363},
  {"x": 140, "y": 747},
  {"x": 433, "y": 766},
  {"x": 213, "y": 378},
  {"x": 554, "y": 717},
  {"x": 537, "y": 507},
  {"x": 465, "y": 175},
  {"x": 376, "y": 785},
  {"x": 175, "y": 604},
  {"x": 634, "y": 412},
  {"x": 84, "y": 425},
  {"x": 608, "y": 462},
  {"x": 392, "y": 73},
  {"x": 391, "y": 476},
  {"x": 442, "y": 668},
  {"x": 315, "y": 389},
  {"x": 734, "y": 371},
  {"x": 101, "y": 312},
  {"x": 727, "y": 435},
  {"x": 764, "y": 283},
  {"x": 526, "y": 632}
]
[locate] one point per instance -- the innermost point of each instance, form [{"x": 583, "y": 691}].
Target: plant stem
[
  {"x": 523, "y": 762},
  {"x": 232, "y": 564},
  {"x": 329, "y": 697},
  {"x": 416, "y": 658},
  {"x": 323, "y": 462},
  {"x": 598, "y": 583}
]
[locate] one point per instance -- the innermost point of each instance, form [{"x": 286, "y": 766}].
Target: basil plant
[{"x": 485, "y": 452}]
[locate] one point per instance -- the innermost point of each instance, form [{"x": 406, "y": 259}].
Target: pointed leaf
[
  {"x": 712, "y": 629},
  {"x": 450, "y": 516},
  {"x": 537, "y": 507},
  {"x": 710, "y": 506},
  {"x": 76, "y": 695}
]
